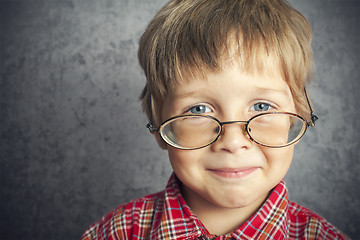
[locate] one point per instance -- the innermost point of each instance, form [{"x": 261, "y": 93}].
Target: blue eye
[
  {"x": 199, "y": 109},
  {"x": 260, "y": 107}
]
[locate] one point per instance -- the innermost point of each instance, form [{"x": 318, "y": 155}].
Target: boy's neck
[{"x": 219, "y": 220}]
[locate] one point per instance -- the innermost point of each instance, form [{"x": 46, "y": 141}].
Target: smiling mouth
[{"x": 233, "y": 172}]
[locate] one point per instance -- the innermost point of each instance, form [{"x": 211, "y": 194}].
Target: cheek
[
  {"x": 175, "y": 158},
  {"x": 279, "y": 159},
  {"x": 186, "y": 163},
  {"x": 181, "y": 160}
]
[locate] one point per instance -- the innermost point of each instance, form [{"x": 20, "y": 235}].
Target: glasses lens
[
  {"x": 190, "y": 132},
  {"x": 277, "y": 129}
]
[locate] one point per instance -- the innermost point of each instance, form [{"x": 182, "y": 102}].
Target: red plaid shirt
[{"x": 165, "y": 215}]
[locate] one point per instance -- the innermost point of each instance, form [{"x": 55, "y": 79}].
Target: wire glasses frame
[{"x": 271, "y": 129}]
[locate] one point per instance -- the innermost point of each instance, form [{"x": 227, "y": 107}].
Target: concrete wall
[{"x": 73, "y": 139}]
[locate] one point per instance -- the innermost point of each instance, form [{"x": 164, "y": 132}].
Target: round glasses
[{"x": 274, "y": 130}]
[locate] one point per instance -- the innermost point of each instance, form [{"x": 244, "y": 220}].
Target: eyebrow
[
  {"x": 283, "y": 91},
  {"x": 190, "y": 93},
  {"x": 258, "y": 90}
]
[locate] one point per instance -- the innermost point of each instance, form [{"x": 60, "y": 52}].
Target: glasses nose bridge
[{"x": 243, "y": 126}]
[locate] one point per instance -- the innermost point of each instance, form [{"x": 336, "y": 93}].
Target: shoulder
[
  {"x": 305, "y": 224},
  {"x": 127, "y": 218}
]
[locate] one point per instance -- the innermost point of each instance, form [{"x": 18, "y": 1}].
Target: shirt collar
[
  {"x": 179, "y": 222},
  {"x": 270, "y": 221}
]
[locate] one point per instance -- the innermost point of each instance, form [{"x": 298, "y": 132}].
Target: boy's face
[{"x": 233, "y": 172}]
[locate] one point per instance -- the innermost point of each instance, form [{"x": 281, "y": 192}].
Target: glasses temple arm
[
  {"x": 150, "y": 124},
  {"x": 314, "y": 118}
]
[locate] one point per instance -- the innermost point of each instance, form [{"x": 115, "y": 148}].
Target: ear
[{"x": 160, "y": 141}]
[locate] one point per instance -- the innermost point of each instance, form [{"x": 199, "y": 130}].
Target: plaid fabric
[{"x": 165, "y": 215}]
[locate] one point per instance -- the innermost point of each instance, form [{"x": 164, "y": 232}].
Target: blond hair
[{"x": 192, "y": 37}]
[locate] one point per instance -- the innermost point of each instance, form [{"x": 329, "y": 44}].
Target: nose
[{"x": 233, "y": 137}]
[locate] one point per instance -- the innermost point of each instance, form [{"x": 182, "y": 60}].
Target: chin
[
  {"x": 234, "y": 203},
  {"x": 242, "y": 200}
]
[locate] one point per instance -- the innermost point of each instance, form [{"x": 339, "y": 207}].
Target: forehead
[
  {"x": 258, "y": 61},
  {"x": 234, "y": 78},
  {"x": 264, "y": 67}
]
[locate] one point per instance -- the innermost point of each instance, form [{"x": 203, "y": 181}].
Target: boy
[{"x": 226, "y": 98}]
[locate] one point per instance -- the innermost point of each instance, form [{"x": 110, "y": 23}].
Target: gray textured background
[{"x": 73, "y": 142}]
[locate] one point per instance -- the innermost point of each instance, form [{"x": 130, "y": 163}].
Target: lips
[{"x": 233, "y": 172}]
